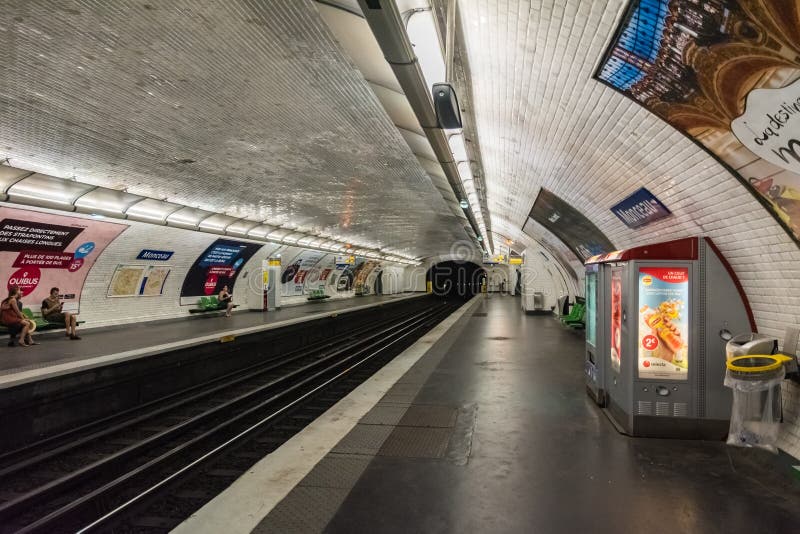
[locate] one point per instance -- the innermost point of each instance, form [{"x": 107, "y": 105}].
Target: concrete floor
[
  {"x": 529, "y": 452},
  {"x": 55, "y": 348}
]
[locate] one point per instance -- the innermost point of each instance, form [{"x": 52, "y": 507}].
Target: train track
[{"x": 148, "y": 469}]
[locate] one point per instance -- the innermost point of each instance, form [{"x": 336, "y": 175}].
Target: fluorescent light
[
  {"x": 106, "y": 202},
  {"x": 48, "y": 191},
  {"x": 459, "y": 149},
  {"x": 152, "y": 210},
  {"x": 421, "y": 31},
  {"x": 261, "y": 231}
]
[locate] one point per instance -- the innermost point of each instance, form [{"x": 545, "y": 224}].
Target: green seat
[
  {"x": 576, "y": 312},
  {"x": 213, "y": 302}
]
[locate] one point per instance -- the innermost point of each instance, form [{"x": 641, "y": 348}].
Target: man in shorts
[{"x": 52, "y": 312}]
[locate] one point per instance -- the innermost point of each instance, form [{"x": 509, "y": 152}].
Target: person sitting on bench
[
  {"x": 52, "y": 312},
  {"x": 225, "y": 299},
  {"x": 12, "y": 318}
]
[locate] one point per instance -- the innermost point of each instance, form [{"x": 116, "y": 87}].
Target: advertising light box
[
  {"x": 616, "y": 319},
  {"x": 664, "y": 323}
]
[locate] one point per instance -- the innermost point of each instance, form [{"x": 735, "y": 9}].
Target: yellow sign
[
  {"x": 265, "y": 277},
  {"x": 499, "y": 258},
  {"x": 226, "y": 339},
  {"x": 515, "y": 261},
  {"x": 274, "y": 262}
]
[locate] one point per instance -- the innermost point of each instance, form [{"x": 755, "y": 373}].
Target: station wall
[{"x": 99, "y": 309}]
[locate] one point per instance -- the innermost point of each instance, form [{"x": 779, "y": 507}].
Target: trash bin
[
  {"x": 751, "y": 343},
  {"x": 756, "y": 413}
]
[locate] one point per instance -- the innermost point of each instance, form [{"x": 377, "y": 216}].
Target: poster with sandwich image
[{"x": 664, "y": 323}]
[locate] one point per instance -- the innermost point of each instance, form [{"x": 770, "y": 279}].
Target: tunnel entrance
[{"x": 456, "y": 279}]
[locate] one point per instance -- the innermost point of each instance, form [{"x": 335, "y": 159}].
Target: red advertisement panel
[
  {"x": 41, "y": 250},
  {"x": 616, "y": 319}
]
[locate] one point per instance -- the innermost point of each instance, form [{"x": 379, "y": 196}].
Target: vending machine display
[
  {"x": 595, "y": 363},
  {"x": 666, "y": 307}
]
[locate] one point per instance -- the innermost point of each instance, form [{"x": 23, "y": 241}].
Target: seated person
[
  {"x": 12, "y": 318},
  {"x": 52, "y": 312},
  {"x": 225, "y": 299}
]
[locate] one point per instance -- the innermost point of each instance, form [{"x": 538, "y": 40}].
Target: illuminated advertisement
[
  {"x": 39, "y": 251},
  {"x": 218, "y": 266},
  {"x": 664, "y": 323},
  {"x": 569, "y": 225},
  {"x": 724, "y": 73},
  {"x": 591, "y": 308},
  {"x": 293, "y": 277},
  {"x": 616, "y": 319}
]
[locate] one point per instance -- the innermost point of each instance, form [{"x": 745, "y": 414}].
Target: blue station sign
[
  {"x": 155, "y": 255},
  {"x": 640, "y": 209}
]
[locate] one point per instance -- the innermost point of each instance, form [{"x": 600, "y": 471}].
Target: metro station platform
[
  {"x": 56, "y": 355},
  {"x": 484, "y": 425}
]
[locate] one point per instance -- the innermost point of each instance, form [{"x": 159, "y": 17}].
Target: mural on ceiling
[
  {"x": 725, "y": 73},
  {"x": 569, "y": 225}
]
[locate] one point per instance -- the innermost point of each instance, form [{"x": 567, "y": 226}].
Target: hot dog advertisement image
[{"x": 664, "y": 322}]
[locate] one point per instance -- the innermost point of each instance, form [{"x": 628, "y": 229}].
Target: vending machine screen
[
  {"x": 664, "y": 323},
  {"x": 591, "y": 308}
]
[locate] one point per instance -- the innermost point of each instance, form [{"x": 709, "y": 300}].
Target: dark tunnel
[{"x": 453, "y": 279}]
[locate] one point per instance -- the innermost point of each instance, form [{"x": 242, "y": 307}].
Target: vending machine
[
  {"x": 596, "y": 282},
  {"x": 668, "y": 311}
]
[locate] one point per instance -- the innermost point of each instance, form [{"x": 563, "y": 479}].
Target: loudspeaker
[{"x": 445, "y": 102}]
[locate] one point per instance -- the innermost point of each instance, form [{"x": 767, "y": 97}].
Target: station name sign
[
  {"x": 640, "y": 209},
  {"x": 155, "y": 255}
]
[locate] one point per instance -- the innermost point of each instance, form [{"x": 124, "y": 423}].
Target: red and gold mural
[{"x": 725, "y": 73}]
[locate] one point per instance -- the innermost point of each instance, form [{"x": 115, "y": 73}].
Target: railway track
[{"x": 148, "y": 469}]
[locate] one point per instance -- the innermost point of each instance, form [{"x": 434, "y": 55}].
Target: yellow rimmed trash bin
[{"x": 756, "y": 413}]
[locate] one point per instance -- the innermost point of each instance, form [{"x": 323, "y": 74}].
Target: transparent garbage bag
[{"x": 756, "y": 411}]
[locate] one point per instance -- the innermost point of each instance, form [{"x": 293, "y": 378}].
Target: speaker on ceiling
[{"x": 445, "y": 102}]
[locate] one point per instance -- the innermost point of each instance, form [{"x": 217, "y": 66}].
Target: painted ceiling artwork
[{"x": 725, "y": 73}]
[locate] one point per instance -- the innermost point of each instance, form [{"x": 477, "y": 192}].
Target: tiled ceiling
[{"x": 250, "y": 108}]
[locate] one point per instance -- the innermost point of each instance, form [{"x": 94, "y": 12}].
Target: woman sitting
[
  {"x": 225, "y": 301},
  {"x": 12, "y": 318}
]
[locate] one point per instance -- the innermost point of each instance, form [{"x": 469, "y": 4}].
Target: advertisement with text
[
  {"x": 218, "y": 266},
  {"x": 664, "y": 322},
  {"x": 39, "y": 251}
]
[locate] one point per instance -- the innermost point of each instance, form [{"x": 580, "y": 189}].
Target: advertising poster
[
  {"x": 318, "y": 275},
  {"x": 40, "y": 250},
  {"x": 664, "y": 323},
  {"x": 724, "y": 73},
  {"x": 569, "y": 225},
  {"x": 293, "y": 277},
  {"x": 616, "y": 319},
  {"x": 218, "y": 266},
  {"x": 362, "y": 272}
]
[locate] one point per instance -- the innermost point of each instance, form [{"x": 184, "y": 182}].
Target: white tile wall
[{"x": 543, "y": 122}]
